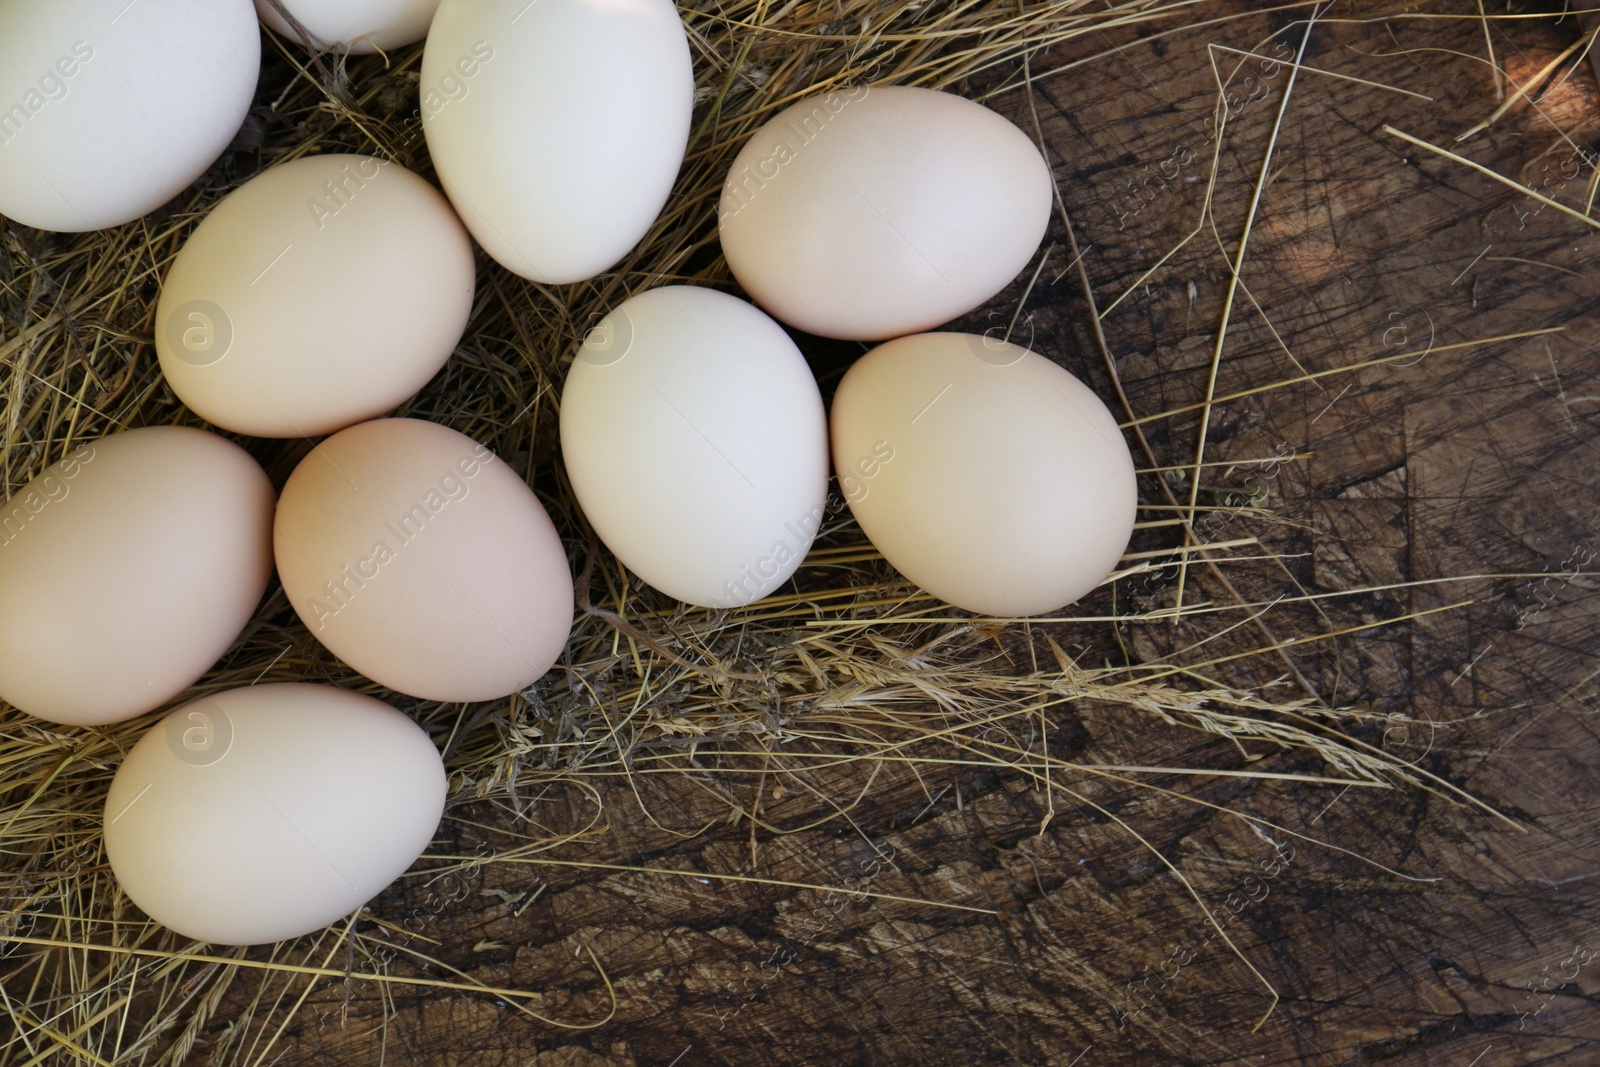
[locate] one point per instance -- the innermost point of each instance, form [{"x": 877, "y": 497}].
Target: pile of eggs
[{"x": 327, "y": 290}]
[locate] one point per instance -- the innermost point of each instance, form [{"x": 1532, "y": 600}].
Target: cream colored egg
[
  {"x": 870, "y": 213},
  {"x": 357, "y": 26},
  {"x": 321, "y": 293},
  {"x": 695, "y": 440},
  {"x": 423, "y": 561},
  {"x": 557, "y": 128},
  {"x": 126, "y": 569},
  {"x": 983, "y": 472},
  {"x": 108, "y": 109},
  {"x": 264, "y": 813}
]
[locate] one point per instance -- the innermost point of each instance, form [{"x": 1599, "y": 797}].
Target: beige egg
[
  {"x": 126, "y": 569},
  {"x": 423, "y": 561},
  {"x": 264, "y": 813},
  {"x": 870, "y": 213},
  {"x": 983, "y": 472},
  {"x": 321, "y": 293}
]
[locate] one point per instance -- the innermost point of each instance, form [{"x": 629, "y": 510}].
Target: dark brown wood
[{"x": 1483, "y": 950}]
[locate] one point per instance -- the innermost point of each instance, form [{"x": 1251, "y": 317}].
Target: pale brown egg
[
  {"x": 983, "y": 472},
  {"x": 126, "y": 569},
  {"x": 423, "y": 561},
  {"x": 870, "y": 213}
]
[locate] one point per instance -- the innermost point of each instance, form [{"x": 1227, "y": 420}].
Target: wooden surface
[{"x": 1475, "y": 943}]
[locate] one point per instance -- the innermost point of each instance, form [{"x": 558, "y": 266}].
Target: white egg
[
  {"x": 108, "y": 109},
  {"x": 695, "y": 440},
  {"x": 557, "y": 127},
  {"x": 264, "y": 813},
  {"x": 358, "y": 26}
]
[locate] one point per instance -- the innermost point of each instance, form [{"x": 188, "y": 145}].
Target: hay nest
[{"x": 847, "y": 663}]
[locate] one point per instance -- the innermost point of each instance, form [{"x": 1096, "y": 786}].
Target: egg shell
[
  {"x": 696, "y": 443},
  {"x": 867, "y": 213},
  {"x": 264, "y": 813},
  {"x": 985, "y": 473},
  {"x": 355, "y": 26},
  {"x": 423, "y": 561},
  {"x": 557, "y": 128},
  {"x": 321, "y": 293},
  {"x": 110, "y": 109},
  {"x": 126, "y": 569}
]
